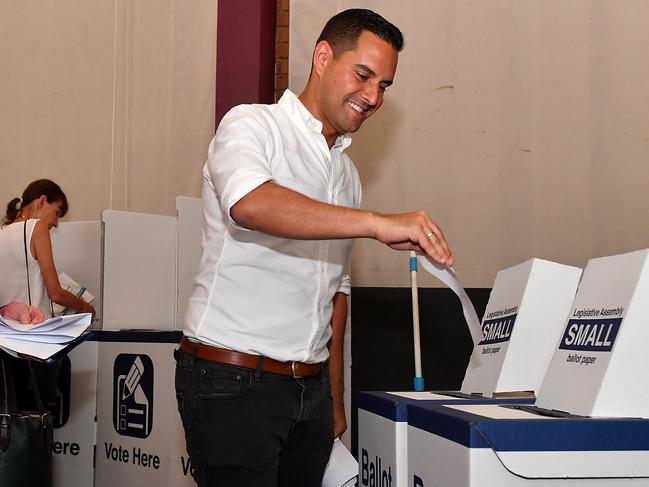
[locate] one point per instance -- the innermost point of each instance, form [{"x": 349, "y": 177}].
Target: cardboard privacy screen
[
  {"x": 524, "y": 318},
  {"x": 599, "y": 367}
]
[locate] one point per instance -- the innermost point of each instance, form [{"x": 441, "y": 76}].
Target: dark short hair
[{"x": 343, "y": 30}]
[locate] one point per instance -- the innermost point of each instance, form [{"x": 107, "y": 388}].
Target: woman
[
  {"x": 28, "y": 273},
  {"x": 27, "y": 269}
]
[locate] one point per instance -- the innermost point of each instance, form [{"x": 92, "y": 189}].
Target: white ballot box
[
  {"x": 522, "y": 324},
  {"x": 139, "y": 431},
  {"x": 600, "y": 366},
  {"x": 73, "y": 409},
  {"x": 525, "y": 315},
  {"x": 489, "y": 445},
  {"x": 382, "y": 432}
]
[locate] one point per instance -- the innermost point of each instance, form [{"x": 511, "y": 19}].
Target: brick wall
[{"x": 281, "y": 48}]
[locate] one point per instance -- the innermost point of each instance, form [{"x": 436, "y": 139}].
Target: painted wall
[
  {"x": 521, "y": 126},
  {"x": 112, "y": 99}
]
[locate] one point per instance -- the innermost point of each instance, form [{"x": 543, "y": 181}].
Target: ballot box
[
  {"x": 73, "y": 410},
  {"x": 382, "y": 432},
  {"x": 493, "y": 445},
  {"x": 599, "y": 367},
  {"x": 140, "y": 439},
  {"x": 523, "y": 321}
]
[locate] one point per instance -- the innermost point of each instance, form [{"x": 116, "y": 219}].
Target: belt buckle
[{"x": 293, "y": 371}]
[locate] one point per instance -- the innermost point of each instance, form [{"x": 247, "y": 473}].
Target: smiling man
[{"x": 259, "y": 372}]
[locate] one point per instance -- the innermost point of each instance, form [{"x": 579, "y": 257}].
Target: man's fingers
[
  {"x": 436, "y": 237},
  {"x": 431, "y": 250},
  {"x": 435, "y": 246}
]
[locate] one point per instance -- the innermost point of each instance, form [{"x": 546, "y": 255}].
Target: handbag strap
[
  {"x": 5, "y": 418},
  {"x": 37, "y": 391},
  {"x": 29, "y": 291}
]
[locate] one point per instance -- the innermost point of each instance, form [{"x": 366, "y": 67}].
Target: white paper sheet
[
  {"x": 44, "y": 339},
  {"x": 47, "y": 325},
  {"x": 40, "y": 338},
  {"x": 342, "y": 469},
  {"x": 448, "y": 277},
  {"x": 422, "y": 396}
]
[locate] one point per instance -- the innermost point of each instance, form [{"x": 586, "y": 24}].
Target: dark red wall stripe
[{"x": 245, "y": 53}]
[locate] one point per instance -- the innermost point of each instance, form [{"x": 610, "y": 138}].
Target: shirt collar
[{"x": 299, "y": 114}]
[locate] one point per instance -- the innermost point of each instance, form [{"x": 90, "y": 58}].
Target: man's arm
[
  {"x": 336, "y": 362},
  {"x": 282, "y": 212}
]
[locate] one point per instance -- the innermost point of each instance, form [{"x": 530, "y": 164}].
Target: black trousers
[{"x": 247, "y": 428}]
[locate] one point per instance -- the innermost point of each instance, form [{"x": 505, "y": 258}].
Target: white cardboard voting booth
[
  {"x": 190, "y": 231},
  {"x": 139, "y": 270},
  {"x": 524, "y": 318},
  {"x": 140, "y": 439},
  {"x": 536, "y": 296},
  {"x": 76, "y": 247},
  {"x": 74, "y": 417},
  {"x": 489, "y": 445},
  {"x": 600, "y": 365},
  {"x": 116, "y": 417}
]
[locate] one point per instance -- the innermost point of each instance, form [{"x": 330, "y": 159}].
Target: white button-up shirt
[{"x": 254, "y": 292}]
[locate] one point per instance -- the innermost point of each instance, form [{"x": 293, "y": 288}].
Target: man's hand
[
  {"x": 414, "y": 231},
  {"x": 340, "y": 422},
  {"x": 23, "y": 313}
]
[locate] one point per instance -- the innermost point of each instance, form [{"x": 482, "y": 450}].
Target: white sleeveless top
[{"x": 13, "y": 274}]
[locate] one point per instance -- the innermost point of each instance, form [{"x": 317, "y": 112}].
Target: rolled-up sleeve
[
  {"x": 345, "y": 285},
  {"x": 238, "y": 158}
]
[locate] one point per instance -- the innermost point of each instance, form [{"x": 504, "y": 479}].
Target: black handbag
[{"x": 26, "y": 438}]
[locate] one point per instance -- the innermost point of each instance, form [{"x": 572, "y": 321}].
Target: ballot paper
[
  {"x": 448, "y": 277},
  {"x": 342, "y": 469},
  {"x": 44, "y": 339}
]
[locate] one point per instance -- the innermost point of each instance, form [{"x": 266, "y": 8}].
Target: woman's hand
[
  {"x": 88, "y": 308},
  {"x": 23, "y": 313}
]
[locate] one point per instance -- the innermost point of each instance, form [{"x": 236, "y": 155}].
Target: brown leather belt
[{"x": 248, "y": 361}]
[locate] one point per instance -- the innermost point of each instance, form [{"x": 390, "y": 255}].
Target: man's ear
[{"x": 322, "y": 55}]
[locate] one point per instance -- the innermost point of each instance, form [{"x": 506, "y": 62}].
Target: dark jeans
[{"x": 247, "y": 428}]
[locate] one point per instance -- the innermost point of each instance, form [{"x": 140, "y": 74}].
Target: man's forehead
[{"x": 373, "y": 54}]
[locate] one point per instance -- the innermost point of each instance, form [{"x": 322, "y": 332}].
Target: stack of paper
[{"x": 44, "y": 339}]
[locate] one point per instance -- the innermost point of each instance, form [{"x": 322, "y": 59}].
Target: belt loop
[{"x": 260, "y": 367}]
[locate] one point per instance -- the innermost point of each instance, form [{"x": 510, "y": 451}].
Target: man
[{"x": 280, "y": 201}]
